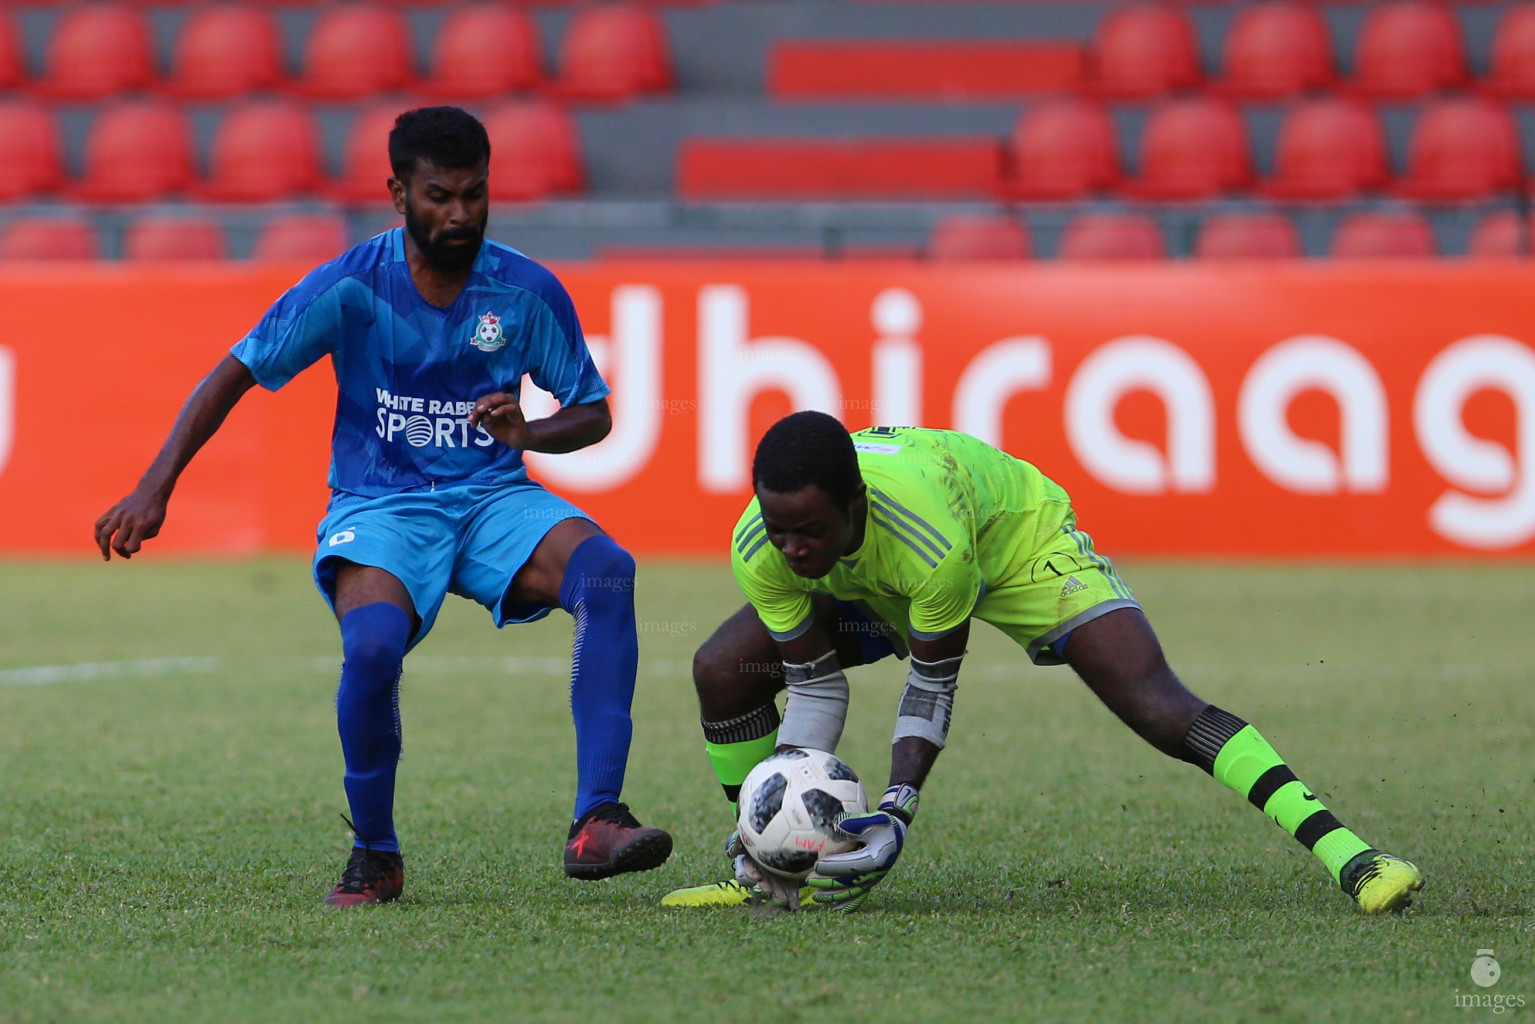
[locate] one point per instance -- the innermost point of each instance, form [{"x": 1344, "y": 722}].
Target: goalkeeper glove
[{"x": 843, "y": 880}]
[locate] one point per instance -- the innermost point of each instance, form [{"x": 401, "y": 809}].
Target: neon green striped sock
[
  {"x": 1239, "y": 758},
  {"x": 737, "y": 744}
]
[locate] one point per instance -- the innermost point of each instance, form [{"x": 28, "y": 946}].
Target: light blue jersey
[{"x": 408, "y": 373}]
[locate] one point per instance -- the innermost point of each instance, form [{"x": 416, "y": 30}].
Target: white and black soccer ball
[{"x": 789, "y": 805}]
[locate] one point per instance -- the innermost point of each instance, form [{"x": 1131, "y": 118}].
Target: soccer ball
[{"x": 789, "y": 805}]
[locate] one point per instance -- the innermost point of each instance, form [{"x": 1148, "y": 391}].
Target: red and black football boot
[
  {"x": 608, "y": 840},
  {"x": 371, "y": 876}
]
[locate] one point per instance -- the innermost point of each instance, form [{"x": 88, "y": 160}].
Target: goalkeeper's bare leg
[{"x": 1120, "y": 659}]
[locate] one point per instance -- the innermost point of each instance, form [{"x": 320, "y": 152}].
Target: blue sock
[
  {"x": 373, "y": 641},
  {"x": 598, "y": 590}
]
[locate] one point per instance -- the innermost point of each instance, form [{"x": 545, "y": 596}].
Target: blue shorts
[
  {"x": 874, "y": 636},
  {"x": 469, "y": 540}
]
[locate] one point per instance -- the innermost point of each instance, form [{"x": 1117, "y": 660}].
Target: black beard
[{"x": 444, "y": 256}]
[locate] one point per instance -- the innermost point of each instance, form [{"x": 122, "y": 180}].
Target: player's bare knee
[
  {"x": 714, "y": 673},
  {"x": 729, "y": 685}
]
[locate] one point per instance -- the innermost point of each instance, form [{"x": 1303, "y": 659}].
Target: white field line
[
  {"x": 88, "y": 671},
  {"x": 676, "y": 668},
  {"x": 157, "y": 668}
]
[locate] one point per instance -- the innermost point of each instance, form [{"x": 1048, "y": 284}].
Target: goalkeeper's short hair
[{"x": 806, "y": 448}]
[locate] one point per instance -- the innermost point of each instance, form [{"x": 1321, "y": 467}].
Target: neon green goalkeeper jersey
[{"x": 951, "y": 520}]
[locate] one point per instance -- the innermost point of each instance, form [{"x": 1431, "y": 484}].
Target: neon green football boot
[
  {"x": 729, "y": 893},
  {"x": 1380, "y": 883}
]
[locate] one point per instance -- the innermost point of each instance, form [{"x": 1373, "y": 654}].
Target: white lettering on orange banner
[
  {"x": 1315, "y": 362},
  {"x": 897, "y": 358},
  {"x": 995, "y": 375},
  {"x": 733, "y": 369},
  {"x": 1142, "y": 363},
  {"x": 1502, "y": 514}
]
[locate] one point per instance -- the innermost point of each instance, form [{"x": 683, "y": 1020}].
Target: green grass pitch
[{"x": 169, "y": 816}]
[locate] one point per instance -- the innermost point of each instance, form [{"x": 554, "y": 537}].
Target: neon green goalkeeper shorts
[{"x": 1065, "y": 584}]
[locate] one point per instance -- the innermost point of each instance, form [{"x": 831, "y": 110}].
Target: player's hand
[
  {"x": 754, "y": 876},
  {"x": 500, "y": 415},
  {"x": 843, "y": 880},
  {"x": 127, "y": 525}
]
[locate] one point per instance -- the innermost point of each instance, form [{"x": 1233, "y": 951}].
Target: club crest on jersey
[{"x": 488, "y": 336}]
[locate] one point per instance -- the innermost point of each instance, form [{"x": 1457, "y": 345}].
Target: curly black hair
[
  {"x": 446, "y": 136},
  {"x": 807, "y": 448}
]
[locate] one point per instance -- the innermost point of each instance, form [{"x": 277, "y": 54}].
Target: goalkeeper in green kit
[{"x": 890, "y": 541}]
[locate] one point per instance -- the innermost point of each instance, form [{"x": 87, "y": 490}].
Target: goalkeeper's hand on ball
[
  {"x": 842, "y": 881},
  {"x": 754, "y": 876}
]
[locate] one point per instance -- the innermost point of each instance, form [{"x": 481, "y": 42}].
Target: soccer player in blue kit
[{"x": 430, "y": 329}]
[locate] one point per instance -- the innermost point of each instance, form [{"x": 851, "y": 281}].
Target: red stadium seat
[
  {"x": 97, "y": 51},
  {"x": 1513, "y": 53},
  {"x": 614, "y": 51},
  {"x": 1063, "y": 148},
  {"x": 29, "y": 138},
  {"x": 173, "y": 238},
  {"x": 1239, "y": 236},
  {"x": 1112, "y": 236},
  {"x": 1499, "y": 234},
  {"x": 137, "y": 150},
  {"x": 1408, "y": 48},
  {"x": 1192, "y": 148},
  {"x": 1143, "y": 50},
  {"x": 224, "y": 51},
  {"x": 1465, "y": 147},
  {"x": 12, "y": 69},
  {"x": 965, "y": 236},
  {"x": 302, "y": 237},
  {"x": 484, "y": 50},
  {"x": 1276, "y": 48},
  {"x": 1374, "y": 235},
  {"x": 48, "y": 238},
  {"x": 365, "y": 156},
  {"x": 263, "y": 150},
  {"x": 355, "y": 50},
  {"x": 1332, "y": 147},
  {"x": 535, "y": 151}
]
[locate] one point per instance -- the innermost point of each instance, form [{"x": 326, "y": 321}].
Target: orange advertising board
[{"x": 1301, "y": 409}]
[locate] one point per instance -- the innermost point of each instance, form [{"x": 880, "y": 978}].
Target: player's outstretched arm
[
  {"x": 571, "y": 428},
  {"x": 128, "y": 524},
  {"x": 922, "y": 723}
]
